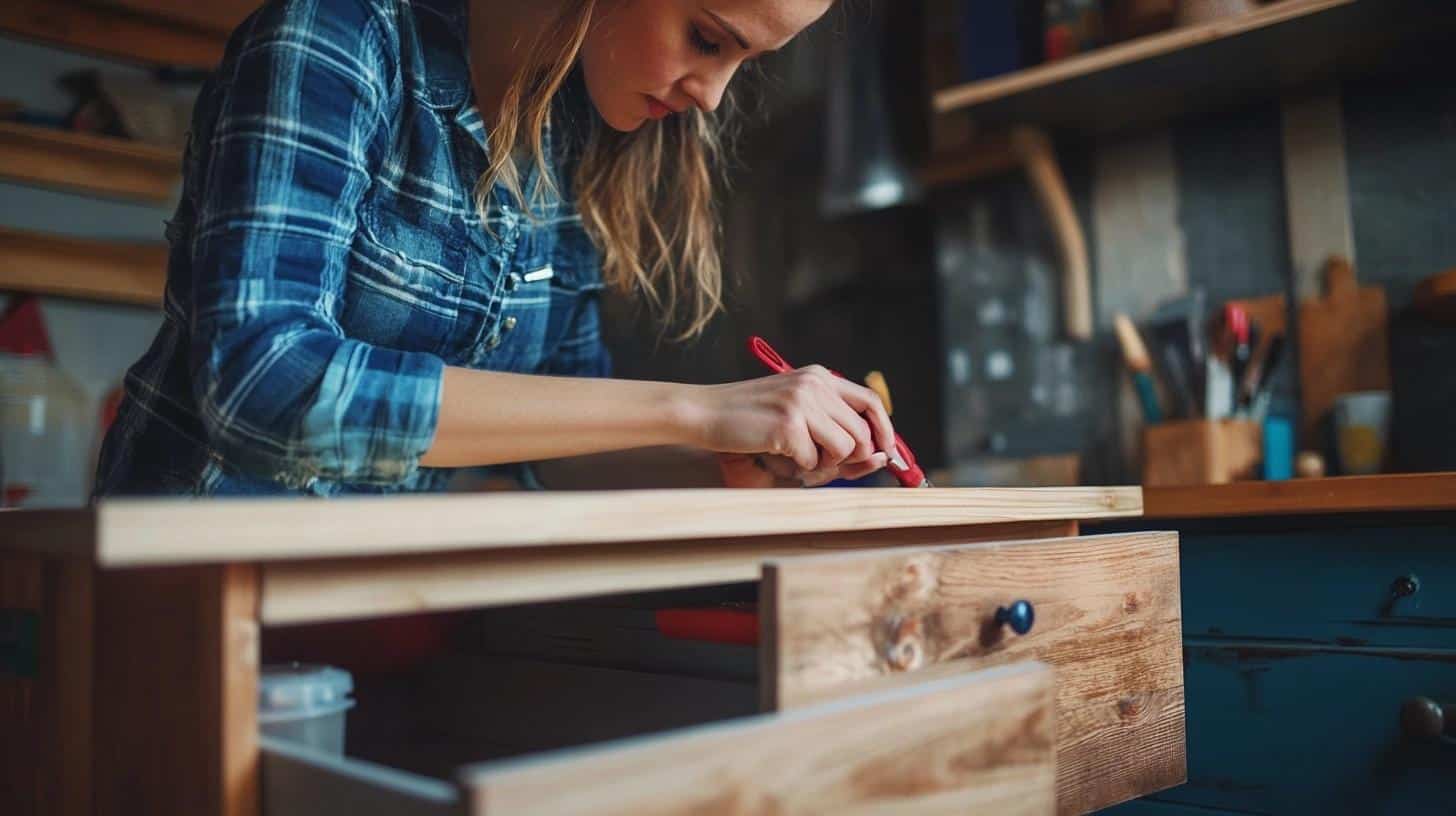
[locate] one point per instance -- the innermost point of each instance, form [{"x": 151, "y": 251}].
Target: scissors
[{"x": 902, "y": 459}]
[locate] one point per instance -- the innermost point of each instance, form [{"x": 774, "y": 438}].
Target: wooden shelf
[
  {"x": 89, "y": 270},
  {"x": 1349, "y": 494},
  {"x": 1212, "y": 65},
  {"x": 88, "y": 164},
  {"x": 111, "y": 32}
]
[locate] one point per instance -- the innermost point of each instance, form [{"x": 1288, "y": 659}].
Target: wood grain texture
[
  {"x": 85, "y": 163},
  {"x": 1137, "y": 50},
  {"x": 978, "y": 742},
  {"x": 176, "y": 692},
  {"x": 1349, "y": 494},
  {"x": 317, "y": 591},
  {"x": 1108, "y": 620},
  {"x": 45, "y": 758},
  {"x": 81, "y": 26},
  {"x": 1343, "y": 347},
  {"x": 160, "y": 532},
  {"x": 90, "y": 270}
]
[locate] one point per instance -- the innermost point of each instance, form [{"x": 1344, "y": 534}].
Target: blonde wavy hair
[{"x": 646, "y": 198}]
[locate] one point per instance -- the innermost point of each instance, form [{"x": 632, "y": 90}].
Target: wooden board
[
  {"x": 45, "y": 756},
  {"x": 1108, "y": 620},
  {"x": 220, "y": 16},
  {"x": 88, "y": 164},
  {"x": 91, "y": 270},
  {"x": 1316, "y": 186},
  {"x": 170, "y": 531},
  {"x": 176, "y": 692},
  {"x": 1351, "y": 494},
  {"x": 318, "y": 591},
  {"x": 1223, "y": 63},
  {"x": 80, "y": 26},
  {"x": 979, "y": 742},
  {"x": 1343, "y": 347}
]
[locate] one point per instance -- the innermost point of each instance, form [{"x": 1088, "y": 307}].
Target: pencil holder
[{"x": 1201, "y": 452}]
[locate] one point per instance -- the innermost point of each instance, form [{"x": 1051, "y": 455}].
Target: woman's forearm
[{"x": 489, "y": 418}]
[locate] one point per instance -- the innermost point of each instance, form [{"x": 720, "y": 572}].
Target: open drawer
[
  {"x": 951, "y": 741},
  {"x": 887, "y": 679},
  {"x": 1104, "y": 612}
]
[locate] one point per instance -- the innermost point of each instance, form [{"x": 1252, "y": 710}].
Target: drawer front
[
  {"x": 972, "y": 742},
  {"x": 1106, "y": 618}
]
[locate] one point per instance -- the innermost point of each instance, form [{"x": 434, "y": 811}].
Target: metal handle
[
  {"x": 1425, "y": 720},
  {"x": 1019, "y": 616}
]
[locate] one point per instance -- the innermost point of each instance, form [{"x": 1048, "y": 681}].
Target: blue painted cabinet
[{"x": 1302, "y": 639}]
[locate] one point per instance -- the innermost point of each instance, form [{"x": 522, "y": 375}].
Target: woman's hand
[{"x": 805, "y": 426}]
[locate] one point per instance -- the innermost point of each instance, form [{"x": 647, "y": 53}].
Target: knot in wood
[{"x": 905, "y": 649}]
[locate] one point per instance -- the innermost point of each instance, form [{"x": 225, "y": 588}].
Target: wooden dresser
[{"x": 894, "y": 669}]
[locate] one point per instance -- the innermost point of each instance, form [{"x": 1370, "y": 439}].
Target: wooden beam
[
  {"x": 979, "y": 742},
  {"x": 1107, "y": 617},
  {"x": 168, "y": 531},
  {"x": 110, "y": 33},
  {"x": 318, "y": 591},
  {"x": 176, "y": 691},
  {"x": 1393, "y": 493},
  {"x": 86, "y": 163},
  {"x": 1316, "y": 188},
  {"x": 78, "y": 268}
]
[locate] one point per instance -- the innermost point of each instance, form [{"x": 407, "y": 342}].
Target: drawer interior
[{"x": 435, "y": 693}]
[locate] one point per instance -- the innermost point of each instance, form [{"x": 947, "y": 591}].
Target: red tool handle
[{"x": 911, "y": 476}]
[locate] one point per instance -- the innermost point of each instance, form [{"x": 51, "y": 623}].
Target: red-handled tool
[{"x": 902, "y": 459}]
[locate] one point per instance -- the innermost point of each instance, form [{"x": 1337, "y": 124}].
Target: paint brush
[{"x": 1135, "y": 355}]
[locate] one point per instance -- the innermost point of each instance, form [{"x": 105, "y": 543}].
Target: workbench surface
[
  {"x": 167, "y": 532},
  {"x": 1350, "y": 494}
]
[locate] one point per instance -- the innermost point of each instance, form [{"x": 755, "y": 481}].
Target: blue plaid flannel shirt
[{"x": 327, "y": 262}]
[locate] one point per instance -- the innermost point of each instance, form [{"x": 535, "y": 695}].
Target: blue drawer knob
[{"x": 1019, "y": 616}]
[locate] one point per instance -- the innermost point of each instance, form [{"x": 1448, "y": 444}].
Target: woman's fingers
[
  {"x": 866, "y": 402},
  {"x": 860, "y": 470}
]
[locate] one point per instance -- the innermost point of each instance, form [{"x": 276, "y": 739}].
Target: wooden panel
[
  {"x": 220, "y": 16},
  {"x": 977, "y": 742},
  {"x": 168, "y": 531},
  {"x": 1228, "y": 63},
  {"x": 90, "y": 270},
  {"x": 45, "y": 747},
  {"x": 81, "y": 27},
  {"x": 1316, "y": 187},
  {"x": 1107, "y": 619},
  {"x": 300, "y": 782},
  {"x": 340, "y": 590},
  {"x": 1353, "y": 494},
  {"x": 176, "y": 692},
  {"x": 87, "y": 163}
]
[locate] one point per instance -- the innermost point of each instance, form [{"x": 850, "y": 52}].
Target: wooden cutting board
[{"x": 1343, "y": 346}]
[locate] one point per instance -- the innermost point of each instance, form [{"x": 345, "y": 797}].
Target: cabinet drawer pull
[
  {"x": 1425, "y": 720},
  {"x": 1019, "y": 616}
]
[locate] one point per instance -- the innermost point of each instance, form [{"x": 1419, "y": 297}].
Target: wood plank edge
[{"x": 1114, "y": 56}]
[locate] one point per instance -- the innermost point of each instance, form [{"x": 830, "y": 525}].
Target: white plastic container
[
  {"x": 44, "y": 431},
  {"x": 305, "y": 704}
]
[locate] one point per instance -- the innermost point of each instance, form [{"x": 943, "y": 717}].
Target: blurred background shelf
[
  {"x": 150, "y": 32},
  {"x": 82, "y": 162},
  {"x": 106, "y": 271},
  {"x": 1212, "y": 65}
]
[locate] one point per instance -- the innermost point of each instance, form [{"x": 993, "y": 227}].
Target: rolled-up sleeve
[{"x": 282, "y": 392}]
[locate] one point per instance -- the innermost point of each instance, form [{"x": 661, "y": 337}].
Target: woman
[{"x": 397, "y": 217}]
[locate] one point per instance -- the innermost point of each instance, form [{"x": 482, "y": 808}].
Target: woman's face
[{"x": 649, "y": 59}]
